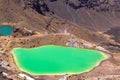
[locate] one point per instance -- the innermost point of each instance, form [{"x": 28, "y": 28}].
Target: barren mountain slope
[
  {"x": 101, "y": 16},
  {"x": 13, "y": 12}
]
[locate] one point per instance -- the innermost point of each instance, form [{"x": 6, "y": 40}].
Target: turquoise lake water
[
  {"x": 6, "y": 30},
  {"x": 53, "y": 60}
]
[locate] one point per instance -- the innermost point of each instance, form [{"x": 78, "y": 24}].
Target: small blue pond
[{"x": 6, "y": 30}]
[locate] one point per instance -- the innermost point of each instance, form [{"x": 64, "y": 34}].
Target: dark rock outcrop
[{"x": 115, "y": 32}]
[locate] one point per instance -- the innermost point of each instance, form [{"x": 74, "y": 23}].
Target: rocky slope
[
  {"x": 57, "y": 15},
  {"x": 13, "y": 13},
  {"x": 91, "y": 14}
]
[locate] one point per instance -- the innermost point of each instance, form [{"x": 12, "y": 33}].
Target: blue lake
[{"x": 6, "y": 30}]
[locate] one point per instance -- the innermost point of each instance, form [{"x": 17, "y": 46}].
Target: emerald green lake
[
  {"x": 6, "y": 30},
  {"x": 53, "y": 60}
]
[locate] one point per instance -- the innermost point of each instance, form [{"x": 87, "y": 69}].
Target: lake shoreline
[{"x": 97, "y": 64}]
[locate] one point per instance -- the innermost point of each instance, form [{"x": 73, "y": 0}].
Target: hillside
[
  {"x": 96, "y": 22},
  {"x": 22, "y": 14},
  {"x": 99, "y": 17}
]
